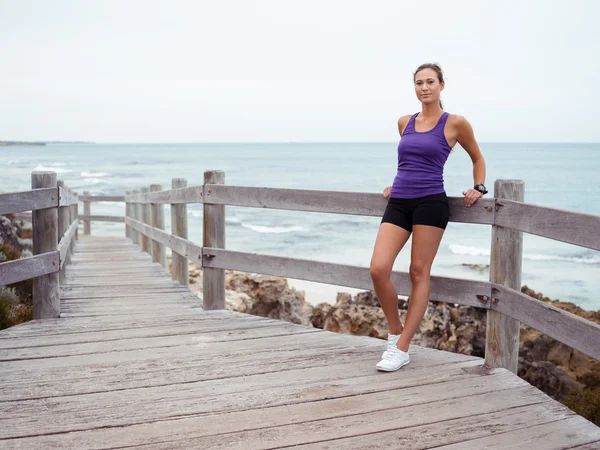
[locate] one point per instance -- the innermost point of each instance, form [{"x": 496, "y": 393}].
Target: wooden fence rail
[
  {"x": 54, "y": 219},
  {"x": 508, "y": 215}
]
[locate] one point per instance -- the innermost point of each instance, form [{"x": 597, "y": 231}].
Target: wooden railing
[
  {"x": 87, "y": 216},
  {"x": 506, "y": 213},
  {"x": 55, "y": 220}
]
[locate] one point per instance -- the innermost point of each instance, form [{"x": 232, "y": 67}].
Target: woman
[{"x": 418, "y": 204}]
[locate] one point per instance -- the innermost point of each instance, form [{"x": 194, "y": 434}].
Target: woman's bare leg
[
  {"x": 390, "y": 240},
  {"x": 425, "y": 244}
]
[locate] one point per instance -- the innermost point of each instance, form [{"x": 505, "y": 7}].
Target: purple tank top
[{"x": 421, "y": 159}]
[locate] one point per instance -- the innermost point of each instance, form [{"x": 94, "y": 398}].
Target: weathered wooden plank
[
  {"x": 65, "y": 242},
  {"x": 97, "y": 218},
  {"x": 497, "y": 417},
  {"x": 502, "y": 332},
  {"x": 560, "y": 225},
  {"x": 158, "y": 222},
  {"x": 101, "y": 198},
  {"x": 555, "y": 435},
  {"x": 27, "y": 268},
  {"x": 182, "y": 246},
  {"x": 39, "y": 198},
  {"x": 443, "y": 289},
  {"x": 184, "y": 195},
  {"x": 167, "y": 403},
  {"x": 87, "y": 228},
  {"x": 195, "y": 337},
  {"x": 179, "y": 227},
  {"x": 213, "y": 278},
  {"x": 67, "y": 197},
  {"x": 559, "y": 324},
  {"x": 356, "y": 203},
  {"x": 46, "y": 300}
]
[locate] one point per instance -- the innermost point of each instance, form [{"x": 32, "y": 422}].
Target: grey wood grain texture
[
  {"x": 559, "y": 324},
  {"x": 98, "y": 218},
  {"x": 46, "y": 299},
  {"x": 357, "y": 203},
  {"x": 181, "y": 195},
  {"x": 66, "y": 196},
  {"x": 27, "y": 268},
  {"x": 213, "y": 279},
  {"x": 179, "y": 227},
  {"x": 64, "y": 245},
  {"x": 500, "y": 417},
  {"x": 506, "y": 256},
  {"x": 408, "y": 427},
  {"x": 557, "y": 435},
  {"x": 63, "y": 224},
  {"x": 565, "y": 226},
  {"x": 188, "y": 249},
  {"x": 146, "y": 219},
  {"x": 444, "y": 289},
  {"x": 87, "y": 228},
  {"x": 14, "y": 202},
  {"x": 128, "y": 214},
  {"x": 101, "y": 198},
  {"x": 159, "y": 254},
  {"x": 181, "y": 377},
  {"x": 137, "y": 216}
]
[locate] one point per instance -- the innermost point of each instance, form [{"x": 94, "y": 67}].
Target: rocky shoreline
[{"x": 551, "y": 366}]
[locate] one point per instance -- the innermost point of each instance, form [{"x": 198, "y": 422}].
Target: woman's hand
[
  {"x": 471, "y": 196},
  {"x": 386, "y": 192}
]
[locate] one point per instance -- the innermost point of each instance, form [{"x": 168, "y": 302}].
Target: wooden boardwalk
[{"x": 134, "y": 361}]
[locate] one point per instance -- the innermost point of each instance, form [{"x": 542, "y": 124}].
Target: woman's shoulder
[
  {"x": 457, "y": 120},
  {"x": 402, "y": 122}
]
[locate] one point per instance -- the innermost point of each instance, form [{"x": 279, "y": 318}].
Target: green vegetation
[{"x": 585, "y": 402}]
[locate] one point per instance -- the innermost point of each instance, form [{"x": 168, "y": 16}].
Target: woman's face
[{"x": 428, "y": 87}]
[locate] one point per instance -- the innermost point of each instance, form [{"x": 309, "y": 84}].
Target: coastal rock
[{"x": 267, "y": 296}]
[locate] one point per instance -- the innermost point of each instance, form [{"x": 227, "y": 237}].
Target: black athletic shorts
[{"x": 429, "y": 210}]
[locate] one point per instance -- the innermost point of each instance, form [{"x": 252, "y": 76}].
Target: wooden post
[
  {"x": 87, "y": 228},
  {"x": 147, "y": 219},
  {"x": 137, "y": 215},
  {"x": 159, "y": 254},
  {"x": 63, "y": 225},
  {"x": 502, "y": 332},
  {"x": 76, "y": 216},
  {"x": 127, "y": 214},
  {"x": 213, "y": 280},
  {"x": 179, "y": 227},
  {"x": 46, "y": 297}
]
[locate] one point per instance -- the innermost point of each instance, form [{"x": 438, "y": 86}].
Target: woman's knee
[
  {"x": 419, "y": 272},
  {"x": 379, "y": 272}
]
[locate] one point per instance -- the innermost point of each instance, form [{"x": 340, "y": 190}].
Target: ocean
[{"x": 560, "y": 176}]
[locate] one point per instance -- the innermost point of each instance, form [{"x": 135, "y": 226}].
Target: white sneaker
[
  {"x": 392, "y": 340},
  {"x": 396, "y": 359}
]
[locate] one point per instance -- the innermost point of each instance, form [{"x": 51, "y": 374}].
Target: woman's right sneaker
[{"x": 392, "y": 340}]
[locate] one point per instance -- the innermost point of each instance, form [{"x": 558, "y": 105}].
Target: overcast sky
[{"x": 277, "y": 70}]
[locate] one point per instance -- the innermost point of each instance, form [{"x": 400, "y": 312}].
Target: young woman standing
[{"x": 417, "y": 204}]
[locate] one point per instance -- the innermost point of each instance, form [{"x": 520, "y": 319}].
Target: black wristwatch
[{"x": 481, "y": 188}]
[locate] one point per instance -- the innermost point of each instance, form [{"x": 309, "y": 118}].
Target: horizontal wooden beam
[
  {"x": 65, "y": 242},
  {"x": 192, "y": 194},
  {"x": 561, "y": 325},
  {"x": 560, "y": 225},
  {"x": 66, "y": 197},
  {"x": 181, "y": 246},
  {"x": 356, "y": 203},
  {"x": 451, "y": 290},
  {"x": 13, "y": 202},
  {"x": 92, "y": 218},
  {"x": 27, "y": 268},
  {"x": 101, "y": 198}
]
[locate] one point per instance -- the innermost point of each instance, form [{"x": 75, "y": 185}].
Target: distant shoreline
[{"x": 41, "y": 143}]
